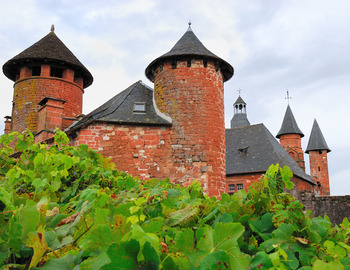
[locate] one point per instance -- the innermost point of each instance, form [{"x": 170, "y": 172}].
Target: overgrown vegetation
[{"x": 68, "y": 208}]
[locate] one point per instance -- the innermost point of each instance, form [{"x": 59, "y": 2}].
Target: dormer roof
[
  {"x": 49, "y": 49},
  {"x": 189, "y": 47},
  {"x": 316, "y": 140},
  {"x": 289, "y": 125},
  {"x": 132, "y": 106}
]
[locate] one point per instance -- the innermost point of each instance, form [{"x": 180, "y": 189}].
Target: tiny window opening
[
  {"x": 239, "y": 186},
  {"x": 139, "y": 107}
]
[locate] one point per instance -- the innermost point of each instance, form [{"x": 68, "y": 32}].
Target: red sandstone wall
[
  {"x": 30, "y": 91},
  {"x": 245, "y": 179},
  {"x": 248, "y": 179},
  {"x": 292, "y": 144},
  {"x": 141, "y": 151},
  {"x": 194, "y": 98},
  {"x": 319, "y": 169}
]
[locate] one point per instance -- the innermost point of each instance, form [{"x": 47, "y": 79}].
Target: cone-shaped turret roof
[
  {"x": 49, "y": 49},
  {"x": 289, "y": 125},
  {"x": 316, "y": 140},
  {"x": 189, "y": 46},
  {"x": 239, "y": 100}
]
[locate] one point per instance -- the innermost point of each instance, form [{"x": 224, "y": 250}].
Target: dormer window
[
  {"x": 243, "y": 150},
  {"x": 139, "y": 107}
]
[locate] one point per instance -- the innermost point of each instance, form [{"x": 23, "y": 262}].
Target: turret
[
  {"x": 189, "y": 87},
  {"x": 46, "y": 70},
  {"x": 317, "y": 149},
  {"x": 290, "y": 138},
  {"x": 239, "y": 118}
]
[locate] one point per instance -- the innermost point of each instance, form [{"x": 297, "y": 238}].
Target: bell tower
[
  {"x": 189, "y": 87},
  {"x": 47, "y": 70}
]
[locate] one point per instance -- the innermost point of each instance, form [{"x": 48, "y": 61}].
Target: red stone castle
[{"x": 176, "y": 130}]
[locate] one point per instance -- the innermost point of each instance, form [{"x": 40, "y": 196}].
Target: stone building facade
[{"x": 175, "y": 129}]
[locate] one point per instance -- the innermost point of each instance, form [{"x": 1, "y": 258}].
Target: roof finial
[
  {"x": 239, "y": 91},
  {"x": 189, "y": 26},
  {"x": 52, "y": 28},
  {"x": 288, "y": 97}
]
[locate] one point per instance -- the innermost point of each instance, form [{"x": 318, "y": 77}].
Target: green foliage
[{"x": 64, "y": 207}]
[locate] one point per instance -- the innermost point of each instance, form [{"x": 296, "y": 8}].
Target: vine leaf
[{"x": 38, "y": 243}]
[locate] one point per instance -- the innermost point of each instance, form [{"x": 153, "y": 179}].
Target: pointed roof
[
  {"x": 121, "y": 109},
  {"x": 289, "y": 125},
  {"x": 239, "y": 100},
  {"x": 190, "y": 46},
  {"x": 252, "y": 149},
  {"x": 49, "y": 49},
  {"x": 316, "y": 140}
]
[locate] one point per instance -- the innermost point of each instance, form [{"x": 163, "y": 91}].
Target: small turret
[
  {"x": 290, "y": 138},
  {"x": 47, "y": 69},
  {"x": 317, "y": 149},
  {"x": 239, "y": 118}
]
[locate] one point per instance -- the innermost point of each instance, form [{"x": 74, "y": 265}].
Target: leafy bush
[{"x": 63, "y": 207}]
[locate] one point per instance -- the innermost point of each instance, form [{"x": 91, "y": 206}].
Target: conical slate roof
[
  {"x": 239, "y": 100},
  {"x": 289, "y": 125},
  {"x": 316, "y": 140},
  {"x": 189, "y": 46},
  {"x": 51, "y": 50}
]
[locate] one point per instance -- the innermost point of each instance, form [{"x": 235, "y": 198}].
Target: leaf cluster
[{"x": 64, "y": 207}]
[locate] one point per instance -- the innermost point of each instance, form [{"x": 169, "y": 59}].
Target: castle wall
[
  {"x": 192, "y": 93},
  {"x": 141, "y": 151},
  {"x": 28, "y": 92},
  {"x": 335, "y": 207}
]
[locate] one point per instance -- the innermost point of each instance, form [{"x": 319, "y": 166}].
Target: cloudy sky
[{"x": 274, "y": 46}]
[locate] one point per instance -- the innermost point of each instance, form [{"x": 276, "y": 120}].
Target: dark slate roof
[
  {"x": 239, "y": 120},
  {"x": 316, "y": 140},
  {"x": 120, "y": 109},
  {"x": 189, "y": 46},
  {"x": 253, "y": 149},
  {"x": 51, "y": 50},
  {"x": 289, "y": 125},
  {"x": 239, "y": 100}
]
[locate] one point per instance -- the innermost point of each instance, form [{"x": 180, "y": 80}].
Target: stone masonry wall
[
  {"x": 335, "y": 207},
  {"x": 192, "y": 93},
  {"x": 319, "y": 170},
  {"x": 292, "y": 144},
  {"x": 30, "y": 91},
  {"x": 141, "y": 151}
]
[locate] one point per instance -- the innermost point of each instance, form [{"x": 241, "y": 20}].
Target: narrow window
[
  {"x": 36, "y": 71},
  {"x": 139, "y": 107},
  {"x": 231, "y": 187},
  {"x": 189, "y": 63},
  {"x": 239, "y": 186},
  {"x": 56, "y": 72},
  {"x": 319, "y": 169}
]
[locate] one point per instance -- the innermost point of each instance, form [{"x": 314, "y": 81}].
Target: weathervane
[
  {"x": 288, "y": 97},
  {"x": 239, "y": 92}
]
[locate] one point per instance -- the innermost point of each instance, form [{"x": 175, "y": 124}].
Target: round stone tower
[
  {"x": 189, "y": 87},
  {"x": 318, "y": 150},
  {"x": 47, "y": 69}
]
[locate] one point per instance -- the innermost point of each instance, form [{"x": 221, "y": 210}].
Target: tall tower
[
  {"x": 239, "y": 118},
  {"x": 189, "y": 86},
  {"x": 290, "y": 138},
  {"x": 317, "y": 149},
  {"x": 47, "y": 69}
]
